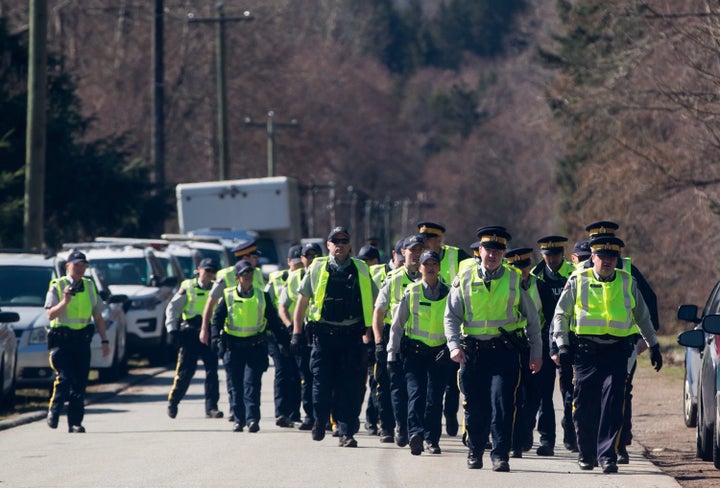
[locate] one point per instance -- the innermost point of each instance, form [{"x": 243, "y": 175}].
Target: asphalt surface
[{"x": 130, "y": 441}]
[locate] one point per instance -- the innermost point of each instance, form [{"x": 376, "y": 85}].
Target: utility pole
[
  {"x": 33, "y": 217},
  {"x": 158, "y": 97},
  {"x": 270, "y": 126},
  {"x": 220, "y": 21}
]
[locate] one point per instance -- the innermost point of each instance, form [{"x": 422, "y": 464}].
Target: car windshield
[
  {"x": 187, "y": 265},
  {"x": 123, "y": 271},
  {"x": 24, "y": 286}
]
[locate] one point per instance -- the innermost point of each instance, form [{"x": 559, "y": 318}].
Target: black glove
[
  {"x": 564, "y": 356},
  {"x": 380, "y": 353},
  {"x": 296, "y": 343},
  {"x": 656, "y": 357},
  {"x": 370, "y": 352}
]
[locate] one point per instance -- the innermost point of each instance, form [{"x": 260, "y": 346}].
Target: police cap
[
  {"x": 519, "y": 257},
  {"x": 606, "y": 246},
  {"x": 368, "y": 252},
  {"x": 582, "y": 249},
  {"x": 242, "y": 267},
  {"x": 209, "y": 264},
  {"x": 398, "y": 250},
  {"x": 412, "y": 241},
  {"x": 429, "y": 254},
  {"x": 245, "y": 248},
  {"x": 340, "y": 232},
  {"x": 76, "y": 257},
  {"x": 601, "y": 227},
  {"x": 430, "y": 229},
  {"x": 294, "y": 254},
  {"x": 493, "y": 237},
  {"x": 552, "y": 244},
  {"x": 311, "y": 248}
]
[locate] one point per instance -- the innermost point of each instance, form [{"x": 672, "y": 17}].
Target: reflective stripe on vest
[
  {"x": 425, "y": 322},
  {"x": 245, "y": 316},
  {"x": 275, "y": 280},
  {"x": 78, "y": 312},
  {"x": 319, "y": 276},
  {"x": 196, "y": 299},
  {"x": 397, "y": 281},
  {"x": 293, "y": 286},
  {"x": 604, "y": 307},
  {"x": 449, "y": 263},
  {"x": 488, "y": 310}
]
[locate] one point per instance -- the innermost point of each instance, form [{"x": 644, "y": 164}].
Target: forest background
[{"x": 541, "y": 116}]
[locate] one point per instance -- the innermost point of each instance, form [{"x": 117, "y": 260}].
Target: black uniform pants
[
  {"x": 286, "y": 384},
  {"x": 426, "y": 380},
  {"x": 339, "y": 367},
  {"x": 371, "y": 411},
  {"x": 245, "y": 366},
  {"x": 71, "y": 363},
  {"x": 539, "y": 401},
  {"x": 600, "y": 375},
  {"x": 191, "y": 349},
  {"x": 302, "y": 360},
  {"x": 489, "y": 381},
  {"x": 383, "y": 393}
]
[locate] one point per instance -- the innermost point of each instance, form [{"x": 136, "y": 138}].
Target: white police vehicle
[
  {"x": 189, "y": 250},
  {"x": 8, "y": 359},
  {"x": 24, "y": 280},
  {"x": 136, "y": 271}
]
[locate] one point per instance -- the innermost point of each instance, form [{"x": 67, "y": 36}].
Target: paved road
[{"x": 131, "y": 442}]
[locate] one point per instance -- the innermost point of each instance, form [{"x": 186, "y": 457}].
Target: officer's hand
[
  {"x": 380, "y": 353},
  {"x": 205, "y": 335},
  {"x": 535, "y": 365},
  {"x": 296, "y": 344},
  {"x": 458, "y": 355},
  {"x": 105, "y": 350},
  {"x": 656, "y": 357},
  {"x": 564, "y": 356}
]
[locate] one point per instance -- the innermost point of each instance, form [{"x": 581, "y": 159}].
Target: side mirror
[
  {"x": 117, "y": 299},
  {"x": 170, "y": 281},
  {"x": 688, "y": 313},
  {"x": 692, "y": 338},
  {"x": 711, "y": 324},
  {"x": 8, "y": 317}
]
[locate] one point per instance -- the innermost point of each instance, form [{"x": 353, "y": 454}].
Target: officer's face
[
  {"x": 76, "y": 269},
  {"x": 245, "y": 280},
  {"x": 491, "y": 258},
  {"x": 339, "y": 247},
  {"x": 433, "y": 242},
  {"x": 553, "y": 261},
  {"x": 430, "y": 270},
  {"x": 412, "y": 256},
  {"x": 307, "y": 258},
  {"x": 205, "y": 276},
  {"x": 252, "y": 259},
  {"x": 604, "y": 265}
]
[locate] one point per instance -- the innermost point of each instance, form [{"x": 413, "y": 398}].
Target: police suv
[{"x": 24, "y": 280}]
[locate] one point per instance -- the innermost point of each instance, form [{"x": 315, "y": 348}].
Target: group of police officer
[{"x": 420, "y": 329}]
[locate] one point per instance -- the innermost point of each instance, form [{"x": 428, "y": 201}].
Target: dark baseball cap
[
  {"x": 76, "y": 257},
  {"x": 582, "y": 249},
  {"x": 429, "y": 254},
  {"x": 312, "y": 247},
  {"x": 242, "y": 267},
  {"x": 209, "y": 264},
  {"x": 338, "y": 231},
  {"x": 294, "y": 254},
  {"x": 368, "y": 252}
]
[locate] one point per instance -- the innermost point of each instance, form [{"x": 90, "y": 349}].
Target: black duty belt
[
  {"x": 232, "y": 341},
  {"x": 589, "y": 346},
  {"x": 325, "y": 329},
  {"x": 475, "y": 345},
  {"x": 416, "y": 347}
]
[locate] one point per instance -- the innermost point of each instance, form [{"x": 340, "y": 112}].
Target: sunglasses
[{"x": 340, "y": 241}]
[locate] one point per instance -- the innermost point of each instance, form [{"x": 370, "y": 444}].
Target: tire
[
  {"x": 7, "y": 400},
  {"x": 716, "y": 440},
  {"x": 704, "y": 449},
  {"x": 689, "y": 408}
]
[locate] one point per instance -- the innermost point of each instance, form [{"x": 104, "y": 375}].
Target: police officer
[
  {"x": 521, "y": 259},
  {"x": 286, "y": 387},
  {"x": 371, "y": 255},
  {"x": 609, "y": 228},
  {"x": 239, "y": 324},
  {"x": 71, "y": 302},
  {"x": 391, "y": 388},
  {"x": 603, "y": 306},
  {"x": 450, "y": 259},
  {"x": 244, "y": 250},
  {"x": 188, "y": 304},
  {"x": 551, "y": 275},
  {"x": 486, "y": 318},
  {"x": 417, "y": 334},
  {"x": 342, "y": 295},
  {"x": 288, "y": 300}
]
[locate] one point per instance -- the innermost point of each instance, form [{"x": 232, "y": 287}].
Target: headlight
[
  {"x": 38, "y": 336},
  {"x": 144, "y": 303}
]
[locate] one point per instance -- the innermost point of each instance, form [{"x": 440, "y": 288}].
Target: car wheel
[
  {"x": 704, "y": 449},
  {"x": 689, "y": 408},
  {"x": 716, "y": 439}
]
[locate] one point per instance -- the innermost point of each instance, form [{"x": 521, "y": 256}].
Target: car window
[
  {"x": 168, "y": 268},
  {"x": 713, "y": 303},
  {"x": 24, "y": 286},
  {"x": 123, "y": 271}
]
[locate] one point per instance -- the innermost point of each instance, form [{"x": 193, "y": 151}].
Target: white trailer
[{"x": 268, "y": 206}]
